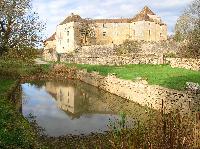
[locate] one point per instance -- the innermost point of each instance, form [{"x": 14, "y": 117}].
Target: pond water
[{"x": 70, "y": 107}]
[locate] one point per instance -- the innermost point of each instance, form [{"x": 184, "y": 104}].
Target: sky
[{"x": 52, "y": 12}]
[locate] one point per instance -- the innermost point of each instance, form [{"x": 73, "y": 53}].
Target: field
[{"x": 163, "y": 75}]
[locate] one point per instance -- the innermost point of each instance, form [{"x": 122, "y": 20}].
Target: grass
[
  {"x": 14, "y": 69},
  {"x": 163, "y": 75},
  {"x": 15, "y": 131}
]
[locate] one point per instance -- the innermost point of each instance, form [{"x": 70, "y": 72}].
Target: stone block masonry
[
  {"x": 140, "y": 92},
  {"x": 106, "y": 55},
  {"x": 187, "y": 63}
]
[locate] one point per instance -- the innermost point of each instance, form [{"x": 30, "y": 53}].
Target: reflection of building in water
[
  {"x": 68, "y": 98},
  {"x": 76, "y": 98}
]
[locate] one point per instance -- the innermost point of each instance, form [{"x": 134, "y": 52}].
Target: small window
[
  {"x": 149, "y": 32},
  {"x": 67, "y": 33},
  {"x": 149, "y": 24},
  {"x": 67, "y": 40},
  {"x": 104, "y": 33},
  {"x": 160, "y": 34},
  {"x": 103, "y": 25}
]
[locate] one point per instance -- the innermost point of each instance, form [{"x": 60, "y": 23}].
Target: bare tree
[{"x": 20, "y": 27}]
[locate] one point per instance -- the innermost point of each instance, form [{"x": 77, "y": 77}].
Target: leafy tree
[
  {"x": 20, "y": 27},
  {"x": 188, "y": 21},
  {"x": 188, "y": 29}
]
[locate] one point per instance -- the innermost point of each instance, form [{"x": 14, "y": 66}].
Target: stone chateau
[{"x": 75, "y": 31}]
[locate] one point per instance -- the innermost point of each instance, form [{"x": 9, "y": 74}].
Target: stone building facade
[{"x": 75, "y": 31}]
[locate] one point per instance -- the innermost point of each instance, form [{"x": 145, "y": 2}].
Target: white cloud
[{"x": 54, "y": 11}]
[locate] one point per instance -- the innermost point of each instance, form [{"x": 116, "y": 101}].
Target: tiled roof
[
  {"x": 71, "y": 18},
  {"x": 144, "y": 15},
  {"x": 112, "y": 20},
  {"x": 51, "y": 38}
]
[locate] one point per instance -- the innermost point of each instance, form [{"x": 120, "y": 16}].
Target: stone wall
[
  {"x": 140, "y": 92},
  {"x": 152, "y": 53},
  {"x": 163, "y": 47},
  {"x": 113, "y": 60},
  {"x": 187, "y": 63},
  {"x": 49, "y": 55},
  {"x": 106, "y": 55}
]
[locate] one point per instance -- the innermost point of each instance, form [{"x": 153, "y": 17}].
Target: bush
[
  {"x": 128, "y": 46},
  {"x": 26, "y": 55},
  {"x": 170, "y": 54}
]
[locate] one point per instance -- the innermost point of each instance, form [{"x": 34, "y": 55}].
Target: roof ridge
[{"x": 146, "y": 10}]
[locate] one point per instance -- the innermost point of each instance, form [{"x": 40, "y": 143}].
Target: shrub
[
  {"x": 128, "y": 46},
  {"x": 170, "y": 54},
  {"x": 26, "y": 55}
]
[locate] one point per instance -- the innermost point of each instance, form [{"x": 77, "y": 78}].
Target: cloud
[{"x": 54, "y": 11}]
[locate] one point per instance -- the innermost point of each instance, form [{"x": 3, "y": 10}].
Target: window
[
  {"x": 149, "y": 32},
  {"x": 149, "y": 24},
  {"x": 133, "y": 32},
  {"x": 160, "y": 34},
  {"x": 104, "y": 26},
  {"x": 104, "y": 33},
  {"x": 67, "y": 40},
  {"x": 67, "y": 33}
]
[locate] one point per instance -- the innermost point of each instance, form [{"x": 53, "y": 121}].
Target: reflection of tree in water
[
  {"x": 37, "y": 84},
  {"x": 38, "y": 129}
]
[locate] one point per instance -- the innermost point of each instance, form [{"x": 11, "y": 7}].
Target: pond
[{"x": 69, "y": 107}]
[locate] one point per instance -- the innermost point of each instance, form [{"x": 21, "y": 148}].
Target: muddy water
[{"x": 72, "y": 107}]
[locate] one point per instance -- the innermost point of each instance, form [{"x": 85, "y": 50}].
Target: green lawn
[{"x": 162, "y": 75}]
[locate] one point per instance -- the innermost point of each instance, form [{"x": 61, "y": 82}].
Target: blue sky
[{"x": 52, "y": 12}]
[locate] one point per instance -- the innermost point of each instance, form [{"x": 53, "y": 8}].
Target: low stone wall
[
  {"x": 187, "y": 63},
  {"x": 49, "y": 55},
  {"x": 114, "y": 60},
  {"x": 140, "y": 92}
]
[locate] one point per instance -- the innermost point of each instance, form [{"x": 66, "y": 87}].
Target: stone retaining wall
[
  {"x": 140, "y": 92},
  {"x": 187, "y": 63},
  {"x": 114, "y": 60}
]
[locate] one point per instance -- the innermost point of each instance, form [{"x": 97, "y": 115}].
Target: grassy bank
[
  {"x": 15, "y": 69},
  {"x": 15, "y": 131},
  {"x": 163, "y": 75}
]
